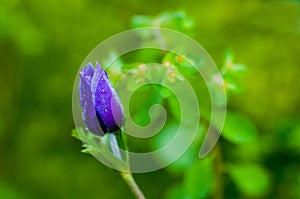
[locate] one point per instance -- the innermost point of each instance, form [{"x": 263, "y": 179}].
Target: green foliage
[
  {"x": 232, "y": 73},
  {"x": 198, "y": 175},
  {"x": 139, "y": 111},
  {"x": 252, "y": 180},
  {"x": 43, "y": 44},
  {"x": 238, "y": 129},
  {"x": 293, "y": 139},
  {"x": 174, "y": 20},
  {"x": 199, "y": 178},
  {"x": 100, "y": 146},
  {"x": 189, "y": 156},
  {"x": 185, "y": 65}
]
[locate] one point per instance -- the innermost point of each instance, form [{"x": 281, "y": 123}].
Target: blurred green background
[{"x": 42, "y": 45}]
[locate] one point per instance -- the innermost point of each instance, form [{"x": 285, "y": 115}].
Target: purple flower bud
[{"x": 101, "y": 107}]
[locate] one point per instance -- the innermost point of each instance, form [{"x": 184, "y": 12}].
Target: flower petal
[
  {"x": 88, "y": 109},
  {"x": 108, "y": 106},
  {"x": 95, "y": 80},
  {"x": 89, "y": 70}
]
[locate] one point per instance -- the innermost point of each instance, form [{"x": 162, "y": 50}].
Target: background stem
[{"x": 219, "y": 193}]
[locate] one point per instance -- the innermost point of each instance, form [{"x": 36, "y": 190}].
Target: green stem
[
  {"x": 128, "y": 178},
  {"x": 158, "y": 35}
]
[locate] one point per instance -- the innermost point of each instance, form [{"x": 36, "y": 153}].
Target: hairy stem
[
  {"x": 128, "y": 178},
  {"x": 114, "y": 146}
]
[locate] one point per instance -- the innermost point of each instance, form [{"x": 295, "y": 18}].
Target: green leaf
[
  {"x": 183, "y": 62},
  {"x": 99, "y": 147},
  {"x": 188, "y": 157},
  {"x": 251, "y": 179},
  {"x": 293, "y": 140},
  {"x": 231, "y": 67},
  {"x": 140, "y": 111},
  {"x": 174, "y": 20},
  {"x": 115, "y": 63},
  {"x": 141, "y": 21},
  {"x": 238, "y": 129},
  {"x": 250, "y": 151},
  {"x": 232, "y": 73},
  {"x": 165, "y": 92},
  {"x": 232, "y": 85},
  {"x": 198, "y": 179},
  {"x": 75, "y": 134}
]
